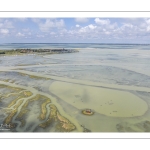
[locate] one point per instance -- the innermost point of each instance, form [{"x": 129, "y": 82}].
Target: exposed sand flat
[{"x": 104, "y": 101}]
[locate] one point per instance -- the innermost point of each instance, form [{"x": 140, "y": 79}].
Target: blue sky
[{"x": 75, "y": 30}]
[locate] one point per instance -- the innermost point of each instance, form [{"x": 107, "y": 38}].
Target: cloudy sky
[{"x": 75, "y": 30}]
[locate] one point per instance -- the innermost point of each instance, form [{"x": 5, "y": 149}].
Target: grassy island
[
  {"x": 88, "y": 112},
  {"x": 36, "y": 51}
]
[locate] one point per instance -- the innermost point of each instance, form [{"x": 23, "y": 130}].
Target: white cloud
[
  {"x": 107, "y": 32},
  {"x": 4, "y": 31},
  {"x": 51, "y": 23},
  {"x": 133, "y": 21},
  {"x": 19, "y": 34},
  {"x": 40, "y": 36},
  {"x": 102, "y": 21},
  {"x": 147, "y": 21},
  {"x": 102, "y": 28},
  {"x": 52, "y": 33},
  {"x": 128, "y": 25},
  {"x": 136, "y": 26},
  {"x": 98, "y": 28},
  {"x": 81, "y": 20},
  {"x": 92, "y": 26},
  {"x": 87, "y": 28},
  {"x": 6, "y": 24},
  {"x": 148, "y": 28},
  {"x": 77, "y": 25}
]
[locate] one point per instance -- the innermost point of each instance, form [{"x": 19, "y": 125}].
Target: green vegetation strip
[
  {"x": 9, "y": 118},
  {"x": 63, "y": 124},
  {"x": 43, "y": 108}
]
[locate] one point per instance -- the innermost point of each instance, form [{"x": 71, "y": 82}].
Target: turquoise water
[{"x": 9, "y": 46}]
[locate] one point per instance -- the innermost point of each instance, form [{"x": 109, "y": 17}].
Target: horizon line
[{"x": 84, "y": 43}]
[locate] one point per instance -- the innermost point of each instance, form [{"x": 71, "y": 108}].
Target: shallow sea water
[{"x": 113, "y": 82}]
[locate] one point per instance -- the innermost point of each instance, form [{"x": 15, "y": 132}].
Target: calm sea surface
[{"x": 9, "y": 46}]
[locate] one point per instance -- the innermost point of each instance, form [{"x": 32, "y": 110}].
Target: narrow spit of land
[{"x": 36, "y": 51}]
